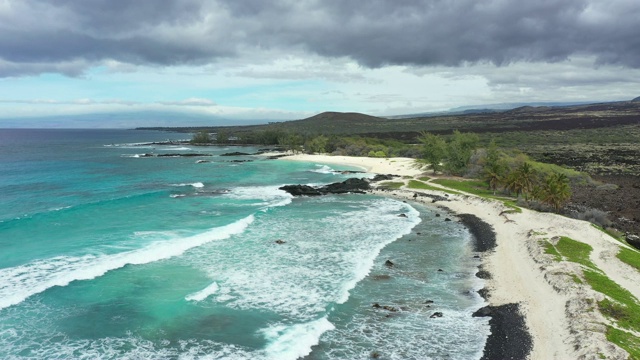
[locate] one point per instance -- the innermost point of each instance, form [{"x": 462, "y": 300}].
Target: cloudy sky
[{"x": 287, "y": 59}]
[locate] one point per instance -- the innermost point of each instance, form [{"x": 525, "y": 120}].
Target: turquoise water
[{"x": 107, "y": 254}]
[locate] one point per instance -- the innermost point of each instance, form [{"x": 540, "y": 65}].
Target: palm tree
[
  {"x": 555, "y": 190},
  {"x": 521, "y": 180},
  {"x": 494, "y": 174},
  {"x": 513, "y": 183},
  {"x": 527, "y": 178}
]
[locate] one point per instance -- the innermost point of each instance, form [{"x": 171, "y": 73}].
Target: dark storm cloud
[{"x": 46, "y": 34}]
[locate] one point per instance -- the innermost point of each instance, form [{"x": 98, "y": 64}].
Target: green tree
[
  {"x": 201, "y": 137},
  {"x": 317, "y": 145},
  {"x": 495, "y": 167},
  {"x": 554, "y": 191},
  {"x": 377, "y": 154},
  {"x": 521, "y": 180},
  {"x": 292, "y": 142},
  {"x": 222, "y": 136},
  {"x": 495, "y": 174},
  {"x": 527, "y": 178},
  {"x": 433, "y": 150},
  {"x": 458, "y": 152}
]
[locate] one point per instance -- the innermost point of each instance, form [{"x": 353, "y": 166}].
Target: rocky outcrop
[
  {"x": 176, "y": 155},
  {"x": 383, "y": 177},
  {"x": 389, "y": 263},
  {"x": 235, "y": 154},
  {"x": 301, "y": 190},
  {"x": 348, "y": 186},
  {"x": 352, "y": 185},
  {"x": 633, "y": 240}
]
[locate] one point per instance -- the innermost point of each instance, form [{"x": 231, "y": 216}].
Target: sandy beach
[
  {"x": 396, "y": 166},
  {"x": 524, "y": 281}
]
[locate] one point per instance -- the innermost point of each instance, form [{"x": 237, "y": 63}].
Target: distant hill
[
  {"x": 330, "y": 122},
  {"x": 521, "y": 119},
  {"x": 487, "y": 108},
  {"x": 636, "y": 99}
]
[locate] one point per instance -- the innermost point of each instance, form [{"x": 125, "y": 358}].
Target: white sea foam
[
  {"x": 295, "y": 341},
  {"x": 269, "y": 196},
  {"x": 128, "y": 347},
  {"x": 196, "y": 185},
  {"x": 325, "y": 255},
  {"x": 135, "y": 156},
  {"x": 324, "y": 169},
  {"x": 20, "y": 282},
  {"x": 61, "y": 208},
  {"x": 363, "y": 266},
  {"x": 204, "y": 293},
  {"x": 179, "y": 148}
]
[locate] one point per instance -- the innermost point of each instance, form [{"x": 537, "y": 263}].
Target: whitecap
[
  {"x": 20, "y": 282},
  {"x": 195, "y": 184},
  {"x": 181, "y": 148},
  {"x": 204, "y": 293},
  {"x": 269, "y": 196},
  {"x": 295, "y": 341},
  {"x": 324, "y": 169}
]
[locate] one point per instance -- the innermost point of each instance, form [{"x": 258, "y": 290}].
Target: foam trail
[
  {"x": 181, "y": 148},
  {"x": 204, "y": 293},
  {"x": 196, "y": 185},
  {"x": 19, "y": 283},
  {"x": 363, "y": 268},
  {"x": 324, "y": 169},
  {"x": 270, "y": 196},
  {"x": 295, "y": 341}
]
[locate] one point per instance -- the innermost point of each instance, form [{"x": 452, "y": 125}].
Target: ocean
[{"x": 106, "y": 253}]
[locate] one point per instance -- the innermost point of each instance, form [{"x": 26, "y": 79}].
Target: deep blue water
[{"x": 105, "y": 253}]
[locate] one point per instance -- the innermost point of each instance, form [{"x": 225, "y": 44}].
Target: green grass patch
[
  {"x": 576, "y": 279},
  {"x": 415, "y": 184},
  {"x": 424, "y": 178},
  {"x": 620, "y": 305},
  {"x": 575, "y": 251},
  {"x": 625, "y": 340},
  {"x": 476, "y": 187},
  {"x": 515, "y": 209},
  {"x": 551, "y": 250},
  {"x": 630, "y": 257},
  {"x": 623, "y": 307},
  {"x": 479, "y": 188},
  {"x": 392, "y": 185}
]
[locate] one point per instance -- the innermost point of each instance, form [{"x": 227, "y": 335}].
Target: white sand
[
  {"x": 561, "y": 321},
  {"x": 397, "y": 166}
]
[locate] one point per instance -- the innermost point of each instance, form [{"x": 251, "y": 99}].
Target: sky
[{"x": 256, "y": 60}]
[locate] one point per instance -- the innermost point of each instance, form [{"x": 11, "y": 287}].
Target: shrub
[
  {"x": 201, "y": 137},
  {"x": 594, "y": 216}
]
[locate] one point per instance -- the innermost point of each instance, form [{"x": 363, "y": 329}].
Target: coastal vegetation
[
  {"x": 498, "y": 173},
  {"x": 630, "y": 257},
  {"x": 537, "y": 155},
  {"x": 618, "y": 304},
  {"x": 201, "y": 137}
]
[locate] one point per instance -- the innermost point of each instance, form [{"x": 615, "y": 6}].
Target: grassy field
[{"x": 619, "y": 305}]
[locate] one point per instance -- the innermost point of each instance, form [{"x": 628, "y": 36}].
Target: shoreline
[
  {"x": 510, "y": 337},
  {"x": 536, "y": 313}
]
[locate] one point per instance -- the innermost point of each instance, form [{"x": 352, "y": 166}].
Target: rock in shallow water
[{"x": 352, "y": 185}]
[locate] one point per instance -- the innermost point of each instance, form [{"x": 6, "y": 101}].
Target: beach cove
[
  {"x": 522, "y": 281},
  {"x": 119, "y": 244}
]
